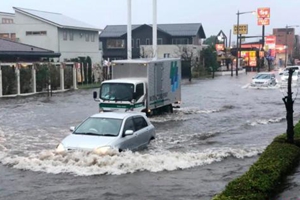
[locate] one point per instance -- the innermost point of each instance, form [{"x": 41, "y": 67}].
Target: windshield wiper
[
  {"x": 87, "y": 133},
  {"x": 108, "y": 134}
]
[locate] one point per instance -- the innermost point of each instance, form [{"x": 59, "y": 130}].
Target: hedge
[{"x": 264, "y": 177}]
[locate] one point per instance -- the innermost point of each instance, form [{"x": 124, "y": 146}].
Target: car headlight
[
  {"x": 106, "y": 150},
  {"x": 60, "y": 148}
]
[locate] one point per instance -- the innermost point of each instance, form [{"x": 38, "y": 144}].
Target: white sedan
[{"x": 108, "y": 132}]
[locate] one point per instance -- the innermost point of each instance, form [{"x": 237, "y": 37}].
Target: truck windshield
[{"x": 116, "y": 91}]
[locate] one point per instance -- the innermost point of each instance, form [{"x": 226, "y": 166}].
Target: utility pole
[
  {"x": 288, "y": 102},
  {"x": 237, "y": 43}
]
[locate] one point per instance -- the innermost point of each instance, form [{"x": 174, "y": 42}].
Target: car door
[
  {"x": 142, "y": 130},
  {"x": 128, "y": 141}
]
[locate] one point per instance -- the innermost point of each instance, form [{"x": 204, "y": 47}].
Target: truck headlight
[
  {"x": 60, "y": 148},
  {"x": 106, "y": 150}
]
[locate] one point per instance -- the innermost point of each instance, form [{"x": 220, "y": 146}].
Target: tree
[
  {"x": 211, "y": 41},
  {"x": 209, "y": 56}
]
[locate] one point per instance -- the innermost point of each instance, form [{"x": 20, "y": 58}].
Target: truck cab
[{"x": 122, "y": 95}]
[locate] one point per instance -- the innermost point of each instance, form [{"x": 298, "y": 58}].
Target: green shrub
[{"x": 264, "y": 177}]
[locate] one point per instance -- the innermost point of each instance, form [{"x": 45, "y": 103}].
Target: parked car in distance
[
  {"x": 285, "y": 76},
  {"x": 109, "y": 132},
  {"x": 264, "y": 79},
  {"x": 295, "y": 67}
]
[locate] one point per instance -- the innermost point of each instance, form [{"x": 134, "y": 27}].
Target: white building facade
[
  {"x": 56, "y": 32},
  {"x": 7, "y": 26}
]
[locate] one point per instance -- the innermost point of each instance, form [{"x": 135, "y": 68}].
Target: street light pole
[{"x": 237, "y": 43}]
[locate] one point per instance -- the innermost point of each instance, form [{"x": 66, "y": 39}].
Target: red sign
[
  {"x": 271, "y": 39},
  {"x": 263, "y": 21},
  {"x": 263, "y": 13},
  {"x": 219, "y": 47}
]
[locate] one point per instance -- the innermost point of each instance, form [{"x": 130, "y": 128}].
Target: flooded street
[{"x": 215, "y": 136}]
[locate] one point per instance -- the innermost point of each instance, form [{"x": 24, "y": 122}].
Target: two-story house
[
  {"x": 57, "y": 32},
  {"x": 169, "y": 37},
  {"x": 7, "y": 26}
]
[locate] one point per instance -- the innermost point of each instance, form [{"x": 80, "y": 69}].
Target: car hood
[
  {"x": 87, "y": 142},
  {"x": 261, "y": 80}
]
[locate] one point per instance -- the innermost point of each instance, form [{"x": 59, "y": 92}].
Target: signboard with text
[
  {"x": 263, "y": 16},
  {"x": 270, "y": 41},
  {"x": 243, "y": 29},
  {"x": 263, "y": 13},
  {"x": 261, "y": 21}
]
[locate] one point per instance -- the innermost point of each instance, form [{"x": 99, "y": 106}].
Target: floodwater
[{"x": 217, "y": 134}]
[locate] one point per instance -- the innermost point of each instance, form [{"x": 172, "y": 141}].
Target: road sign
[
  {"x": 261, "y": 21},
  {"x": 243, "y": 29},
  {"x": 263, "y": 13}
]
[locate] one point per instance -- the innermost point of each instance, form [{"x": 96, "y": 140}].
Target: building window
[
  {"x": 147, "y": 41},
  {"x": 180, "y": 41},
  {"x": 115, "y": 44},
  {"x": 132, "y": 43},
  {"x": 4, "y": 35},
  {"x": 138, "y": 42},
  {"x": 166, "y": 55},
  {"x": 65, "y": 35},
  {"x": 159, "y": 41},
  {"x": 93, "y": 37},
  {"x": 71, "y": 35},
  {"x": 36, "y": 32},
  {"x": 7, "y": 21},
  {"x": 87, "y": 37}
]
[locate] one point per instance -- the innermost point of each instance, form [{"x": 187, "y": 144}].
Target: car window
[
  {"x": 139, "y": 123},
  {"x": 100, "y": 126},
  {"x": 129, "y": 125}
]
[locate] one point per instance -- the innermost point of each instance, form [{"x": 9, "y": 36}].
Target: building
[
  {"x": 54, "y": 31},
  {"x": 7, "y": 26},
  {"x": 12, "y": 51},
  {"x": 169, "y": 38},
  {"x": 285, "y": 36}
]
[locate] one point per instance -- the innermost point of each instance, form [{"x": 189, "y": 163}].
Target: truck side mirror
[{"x": 95, "y": 95}]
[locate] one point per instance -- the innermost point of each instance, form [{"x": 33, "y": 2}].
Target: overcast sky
[{"x": 215, "y": 15}]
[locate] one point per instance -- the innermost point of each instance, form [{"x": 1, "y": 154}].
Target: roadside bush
[
  {"x": 25, "y": 80},
  {"x": 46, "y": 73},
  {"x": 265, "y": 176},
  {"x": 9, "y": 80},
  {"x": 68, "y": 77}
]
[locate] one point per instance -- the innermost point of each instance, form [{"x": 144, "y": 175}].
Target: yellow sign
[
  {"x": 243, "y": 29},
  {"x": 252, "y": 54}
]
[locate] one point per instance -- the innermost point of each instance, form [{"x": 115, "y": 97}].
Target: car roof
[{"x": 117, "y": 115}]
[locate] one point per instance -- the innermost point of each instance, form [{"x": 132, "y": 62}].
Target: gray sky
[{"x": 215, "y": 15}]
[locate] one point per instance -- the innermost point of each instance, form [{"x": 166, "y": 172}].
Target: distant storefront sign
[
  {"x": 270, "y": 41},
  {"x": 243, "y": 29},
  {"x": 263, "y": 12},
  {"x": 263, "y": 16}
]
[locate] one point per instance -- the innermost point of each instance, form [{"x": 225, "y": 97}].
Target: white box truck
[{"x": 144, "y": 85}]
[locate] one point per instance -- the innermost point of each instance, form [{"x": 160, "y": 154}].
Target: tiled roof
[
  {"x": 56, "y": 19},
  {"x": 11, "y": 46},
  {"x": 189, "y": 29}
]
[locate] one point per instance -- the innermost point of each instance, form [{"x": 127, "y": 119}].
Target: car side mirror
[
  {"x": 72, "y": 128},
  {"x": 95, "y": 95},
  {"x": 128, "y": 132}
]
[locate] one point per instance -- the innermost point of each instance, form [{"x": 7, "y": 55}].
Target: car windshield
[
  {"x": 116, "y": 91},
  {"x": 287, "y": 73},
  {"x": 99, "y": 126},
  {"x": 263, "y": 76}
]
